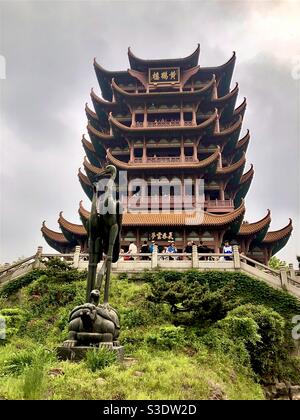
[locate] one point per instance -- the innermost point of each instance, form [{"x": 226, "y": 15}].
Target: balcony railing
[
  {"x": 212, "y": 204},
  {"x": 164, "y": 159},
  {"x": 219, "y": 205},
  {"x": 164, "y": 123}
]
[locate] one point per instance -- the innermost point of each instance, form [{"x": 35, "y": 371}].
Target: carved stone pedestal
[{"x": 77, "y": 353}]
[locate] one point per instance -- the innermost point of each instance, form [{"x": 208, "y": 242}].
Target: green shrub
[
  {"x": 244, "y": 288},
  {"x": 14, "y": 319},
  {"x": 168, "y": 337},
  {"x": 134, "y": 318},
  {"x": 132, "y": 339},
  {"x": 98, "y": 359},
  {"x": 266, "y": 353},
  {"x": 15, "y": 285},
  {"x": 217, "y": 340},
  {"x": 245, "y": 329},
  {"x": 123, "y": 276},
  {"x": 187, "y": 292},
  {"x": 19, "y": 360}
]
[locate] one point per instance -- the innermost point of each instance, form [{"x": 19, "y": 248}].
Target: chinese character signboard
[
  {"x": 161, "y": 236},
  {"x": 164, "y": 75}
]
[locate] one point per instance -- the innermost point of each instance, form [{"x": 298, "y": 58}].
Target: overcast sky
[{"x": 49, "y": 47}]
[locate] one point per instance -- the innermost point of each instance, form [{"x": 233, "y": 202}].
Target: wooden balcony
[
  {"x": 219, "y": 206},
  {"x": 176, "y": 202},
  {"x": 164, "y": 159},
  {"x": 164, "y": 123}
]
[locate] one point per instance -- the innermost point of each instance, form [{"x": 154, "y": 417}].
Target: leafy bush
[
  {"x": 217, "y": 340},
  {"x": 242, "y": 288},
  {"x": 123, "y": 276},
  {"x": 98, "y": 359},
  {"x": 169, "y": 337},
  {"x": 245, "y": 329},
  {"x": 14, "y": 319},
  {"x": 185, "y": 293},
  {"x": 15, "y": 285},
  {"x": 265, "y": 354}
]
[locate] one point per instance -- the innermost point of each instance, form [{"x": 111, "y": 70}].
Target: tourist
[
  {"x": 132, "y": 250},
  {"x": 201, "y": 250},
  {"x": 172, "y": 249},
  {"x": 227, "y": 249},
  {"x": 204, "y": 249},
  {"x": 189, "y": 248},
  {"x": 164, "y": 251},
  {"x": 121, "y": 255},
  {"x": 145, "y": 250},
  {"x": 151, "y": 247}
]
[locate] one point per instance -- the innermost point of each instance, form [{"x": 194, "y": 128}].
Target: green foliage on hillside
[{"x": 189, "y": 336}]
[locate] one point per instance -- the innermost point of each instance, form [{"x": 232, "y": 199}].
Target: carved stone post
[
  {"x": 236, "y": 257},
  {"x": 154, "y": 257},
  {"x": 76, "y": 256},
  {"x": 195, "y": 259},
  {"x": 283, "y": 278},
  {"x": 38, "y": 256},
  {"x": 292, "y": 273}
]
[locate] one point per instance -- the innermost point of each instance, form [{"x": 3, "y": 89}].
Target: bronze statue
[
  {"x": 93, "y": 323},
  {"x": 104, "y": 229}
]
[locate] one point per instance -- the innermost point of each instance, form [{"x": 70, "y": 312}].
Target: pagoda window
[
  {"x": 139, "y": 119},
  {"x": 193, "y": 236},
  {"x": 213, "y": 195},
  {"x": 207, "y": 236},
  {"x": 138, "y": 152},
  {"x": 163, "y": 141},
  {"x": 188, "y": 151},
  {"x": 130, "y": 236}
]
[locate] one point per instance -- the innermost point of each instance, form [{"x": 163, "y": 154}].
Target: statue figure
[
  {"x": 104, "y": 230},
  {"x": 93, "y": 323}
]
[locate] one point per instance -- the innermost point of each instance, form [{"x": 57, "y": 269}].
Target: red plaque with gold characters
[{"x": 164, "y": 75}]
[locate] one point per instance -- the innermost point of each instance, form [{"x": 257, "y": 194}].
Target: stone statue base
[{"x": 78, "y": 353}]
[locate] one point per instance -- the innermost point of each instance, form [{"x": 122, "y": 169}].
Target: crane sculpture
[{"x": 103, "y": 228}]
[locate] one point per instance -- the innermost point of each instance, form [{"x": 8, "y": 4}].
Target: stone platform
[{"x": 77, "y": 353}]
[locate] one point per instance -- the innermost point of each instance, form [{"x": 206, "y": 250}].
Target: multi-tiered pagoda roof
[{"x": 170, "y": 118}]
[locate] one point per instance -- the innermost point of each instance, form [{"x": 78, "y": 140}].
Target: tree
[
  {"x": 187, "y": 292},
  {"x": 276, "y": 263}
]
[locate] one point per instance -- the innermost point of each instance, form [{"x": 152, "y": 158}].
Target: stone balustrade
[{"x": 285, "y": 279}]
